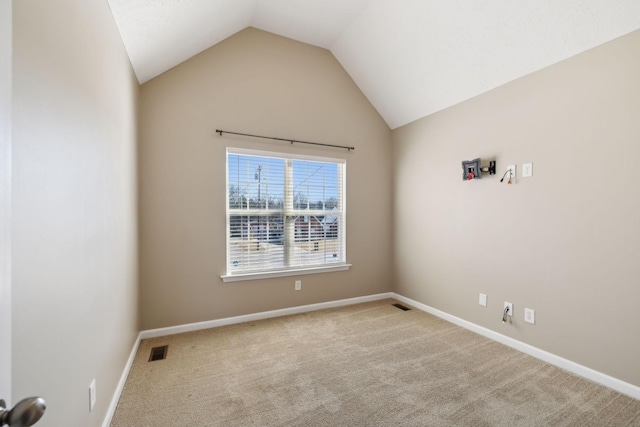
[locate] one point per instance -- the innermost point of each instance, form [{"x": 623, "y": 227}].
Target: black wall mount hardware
[
  {"x": 348, "y": 148},
  {"x": 471, "y": 169},
  {"x": 491, "y": 168}
]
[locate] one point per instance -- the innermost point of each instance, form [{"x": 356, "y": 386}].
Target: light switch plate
[
  {"x": 482, "y": 300},
  {"x": 527, "y": 170}
]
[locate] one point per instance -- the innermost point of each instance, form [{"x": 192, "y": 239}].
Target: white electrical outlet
[
  {"x": 92, "y": 395},
  {"x": 529, "y": 315},
  {"x": 508, "y": 304},
  {"x": 512, "y": 175},
  {"x": 527, "y": 170},
  {"x": 482, "y": 300},
  {"x": 298, "y": 285}
]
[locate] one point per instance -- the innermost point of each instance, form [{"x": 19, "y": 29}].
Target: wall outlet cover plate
[
  {"x": 92, "y": 395},
  {"x": 529, "y": 316}
]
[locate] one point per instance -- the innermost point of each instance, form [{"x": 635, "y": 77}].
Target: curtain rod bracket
[{"x": 220, "y": 132}]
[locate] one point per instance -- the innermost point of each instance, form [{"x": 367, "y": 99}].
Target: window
[{"x": 285, "y": 214}]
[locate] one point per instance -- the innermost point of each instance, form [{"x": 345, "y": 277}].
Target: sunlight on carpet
[{"x": 369, "y": 364}]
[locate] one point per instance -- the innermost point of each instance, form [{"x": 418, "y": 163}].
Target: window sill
[{"x": 283, "y": 273}]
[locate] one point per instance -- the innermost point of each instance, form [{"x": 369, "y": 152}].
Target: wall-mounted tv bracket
[
  {"x": 471, "y": 169},
  {"x": 491, "y": 168}
]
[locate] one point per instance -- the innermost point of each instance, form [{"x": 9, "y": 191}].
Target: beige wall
[
  {"x": 564, "y": 242},
  {"x": 258, "y": 83},
  {"x": 74, "y": 207},
  {"x": 5, "y": 200}
]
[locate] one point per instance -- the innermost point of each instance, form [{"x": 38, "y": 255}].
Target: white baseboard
[
  {"x": 153, "y": 333},
  {"x": 593, "y": 375},
  {"x": 575, "y": 368},
  {"x": 120, "y": 387}
]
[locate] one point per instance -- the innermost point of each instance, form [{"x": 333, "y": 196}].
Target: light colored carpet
[{"x": 363, "y": 365}]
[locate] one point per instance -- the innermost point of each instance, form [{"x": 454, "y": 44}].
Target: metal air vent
[
  {"x": 401, "y": 307},
  {"x": 158, "y": 353}
]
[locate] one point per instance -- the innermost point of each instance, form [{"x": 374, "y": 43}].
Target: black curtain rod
[{"x": 285, "y": 139}]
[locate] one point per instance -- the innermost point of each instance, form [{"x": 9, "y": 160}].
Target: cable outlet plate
[
  {"x": 508, "y": 304},
  {"x": 530, "y": 316},
  {"x": 511, "y": 168}
]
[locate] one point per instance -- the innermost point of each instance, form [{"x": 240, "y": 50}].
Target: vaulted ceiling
[{"x": 410, "y": 58}]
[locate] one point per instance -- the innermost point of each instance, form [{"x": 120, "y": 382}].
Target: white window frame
[{"x": 290, "y": 214}]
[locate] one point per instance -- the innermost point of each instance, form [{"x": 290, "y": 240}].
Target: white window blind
[{"x": 284, "y": 212}]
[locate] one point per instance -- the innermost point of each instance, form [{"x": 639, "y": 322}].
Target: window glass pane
[
  {"x": 255, "y": 182},
  {"x": 316, "y": 185},
  {"x": 256, "y": 243},
  {"x": 317, "y": 240},
  {"x": 283, "y": 213}
]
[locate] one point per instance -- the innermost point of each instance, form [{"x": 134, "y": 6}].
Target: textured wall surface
[
  {"x": 5, "y": 199},
  {"x": 75, "y": 305},
  {"x": 256, "y": 83},
  {"x": 564, "y": 242}
]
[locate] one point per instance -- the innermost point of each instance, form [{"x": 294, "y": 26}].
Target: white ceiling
[{"x": 410, "y": 58}]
